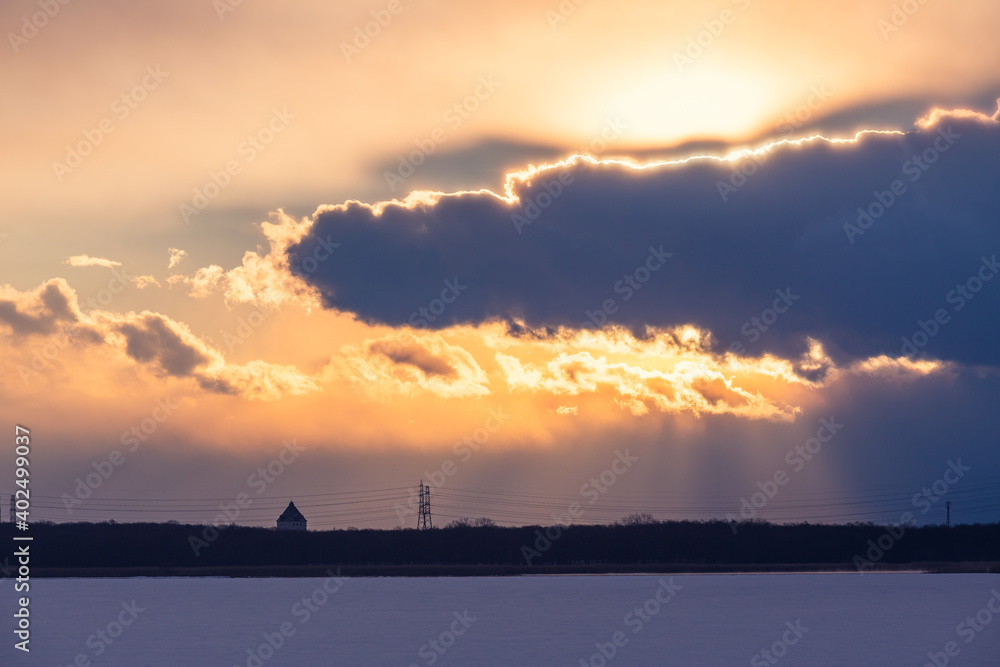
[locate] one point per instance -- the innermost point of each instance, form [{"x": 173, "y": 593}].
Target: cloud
[
  {"x": 479, "y": 164},
  {"x": 571, "y": 243},
  {"x": 416, "y": 356},
  {"x": 142, "y": 282},
  {"x": 408, "y": 363},
  {"x": 264, "y": 279},
  {"x": 40, "y": 311},
  {"x": 205, "y": 281},
  {"x": 168, "y": 347},
  {"x": 151, "y": 341},
  {"x": 690, "y": 387},
  {"x": 668, "y": 371},
  {"x": 260, "y": 380},
  {"x": 86, "y": 260},
  {"x": 176, "y": 257},
  {"x": 677, "y": 372},
  {"x": 882, "y": 113}
]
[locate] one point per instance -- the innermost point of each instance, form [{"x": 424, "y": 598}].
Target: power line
[{"x": 537, "y": 506}]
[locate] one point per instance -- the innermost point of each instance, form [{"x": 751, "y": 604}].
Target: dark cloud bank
[{"x": 859, "y": 283}]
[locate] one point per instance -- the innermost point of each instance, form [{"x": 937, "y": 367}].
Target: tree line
[{"x": 635, "y": 540}]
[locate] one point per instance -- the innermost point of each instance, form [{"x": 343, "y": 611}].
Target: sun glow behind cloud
[
  {"x": 553, "y": 376},
  {"x": 560, "y": 83},
  {"x": 663, "y": 107}
]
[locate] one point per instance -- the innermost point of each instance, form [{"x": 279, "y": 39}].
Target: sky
[{"x": 656, "y": 256}]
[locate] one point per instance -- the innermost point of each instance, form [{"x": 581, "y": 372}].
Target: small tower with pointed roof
[{"x": 291, "y": 519}]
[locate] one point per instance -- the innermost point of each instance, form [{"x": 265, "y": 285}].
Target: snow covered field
[{"x": 814, "y": 620}]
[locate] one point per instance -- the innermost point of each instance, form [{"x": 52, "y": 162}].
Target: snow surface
[{"x": 881, "y": 620}]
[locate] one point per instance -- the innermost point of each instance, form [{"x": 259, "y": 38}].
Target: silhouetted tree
[
  {"x": 480, "y": 541},
  {"x": 637, "y": 519}
]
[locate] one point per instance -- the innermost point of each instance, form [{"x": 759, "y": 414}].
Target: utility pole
[
  {"x": 947, "y": 505},
  {"x": 12, "y": 515},
  {"x": 424, "y": 515}
]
